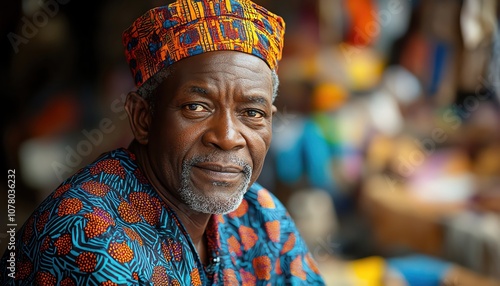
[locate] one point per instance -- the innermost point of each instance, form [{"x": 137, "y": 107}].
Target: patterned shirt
[{"x": 106, "y": 225}]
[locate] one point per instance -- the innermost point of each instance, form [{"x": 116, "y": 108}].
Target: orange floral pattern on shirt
[
  {"x": 98, "y": 222},
  {"x": 273, "y": 230},
  {"x": 108, "y": 166},
  {"x": 69, "y": 206},
  {"x": 86, "y": 261},
  {"x": 147, "y": 206},
  {"x": 121, "y": 252},
  {"x": 96, "y": 188},
  {"x": 63, "y": 244}
]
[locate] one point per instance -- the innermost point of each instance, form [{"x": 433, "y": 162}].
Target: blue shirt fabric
[{"x": 106, "y": 225}]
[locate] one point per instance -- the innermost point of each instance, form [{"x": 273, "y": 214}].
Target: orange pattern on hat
[{"x": 167, "y": 34}]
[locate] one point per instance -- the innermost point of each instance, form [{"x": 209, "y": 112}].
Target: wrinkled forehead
[{"x": 220, "y": 65}]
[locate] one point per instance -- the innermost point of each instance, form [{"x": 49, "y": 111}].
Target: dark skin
[{"x": 215, "y": 104}]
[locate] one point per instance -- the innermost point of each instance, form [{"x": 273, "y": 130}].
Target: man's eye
[
  {"x": 254, "y": 113},
  {"x": 194, "y": 107}
]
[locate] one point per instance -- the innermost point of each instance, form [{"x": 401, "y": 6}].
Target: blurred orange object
[
  {"x": 328, "y": 97},
  {"x": 363, "y": 28},
  {"x": 59, "y": 115}
]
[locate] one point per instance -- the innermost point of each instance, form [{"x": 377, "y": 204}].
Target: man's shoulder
[
  {"x": 112, "y": 170},
  {"x": 89, "y": 210},
  {"x": 112, "y": 164},
  {"x": 94, "y": 192}
]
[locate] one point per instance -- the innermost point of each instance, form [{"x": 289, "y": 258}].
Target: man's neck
[{"x": 194, "y": 222}]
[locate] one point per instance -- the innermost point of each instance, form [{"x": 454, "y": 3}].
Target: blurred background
[{"x": 386, "y": 146}]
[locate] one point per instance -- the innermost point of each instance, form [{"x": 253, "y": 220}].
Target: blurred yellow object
[
  {"x": 368, "y": 271},
  {"x": 328, "y": 97},
  {"x": 364, "y": 68}
]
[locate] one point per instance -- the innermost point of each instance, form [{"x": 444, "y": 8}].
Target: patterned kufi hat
[{"x": 167, "y": 34}]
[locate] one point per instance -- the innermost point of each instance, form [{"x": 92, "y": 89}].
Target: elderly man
[{"x": 180, "y": 205}]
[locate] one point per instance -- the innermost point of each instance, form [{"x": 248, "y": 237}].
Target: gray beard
[{"x": 213, "y": 203}]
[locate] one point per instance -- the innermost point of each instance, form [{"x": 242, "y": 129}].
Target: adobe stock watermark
[
  {"x": 93, "y": 138},
  {"x": 325, "y": 248},
  {"x": 39, "y": 19},
  {"x": 282, "y": 119},
  {"x": 454, "y": 116},
  {"x": 373, "y": 28}
]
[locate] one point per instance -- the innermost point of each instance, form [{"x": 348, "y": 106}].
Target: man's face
[{"x": 211, "y": 129}]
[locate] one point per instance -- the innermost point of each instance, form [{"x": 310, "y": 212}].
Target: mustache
[{"x": 219, "y": 158}]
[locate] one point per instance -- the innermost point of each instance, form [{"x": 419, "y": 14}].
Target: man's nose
[{"x": 224, "y": 132}]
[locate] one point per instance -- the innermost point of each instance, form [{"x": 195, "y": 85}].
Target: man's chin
[
  {"x": 216, "y": 199},
  {"x": 211, "y": 192},
  {"x": 216, "y": 205}
]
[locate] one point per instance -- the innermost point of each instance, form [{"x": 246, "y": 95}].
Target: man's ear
[{"x": 139, "y": 115}]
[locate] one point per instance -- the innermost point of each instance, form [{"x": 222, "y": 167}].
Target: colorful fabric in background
[
  {"x": 306, "y": 154},
  {"x": 362, "y": 27},
  {"x": 420, "y": 269},
  {"x": 167, "y": 34},
  {"x": 410, "y": 270},
  {"x": 106, "y": 225}
]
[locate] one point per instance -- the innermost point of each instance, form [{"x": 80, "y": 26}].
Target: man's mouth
[{"x": 217, "y": 172}]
